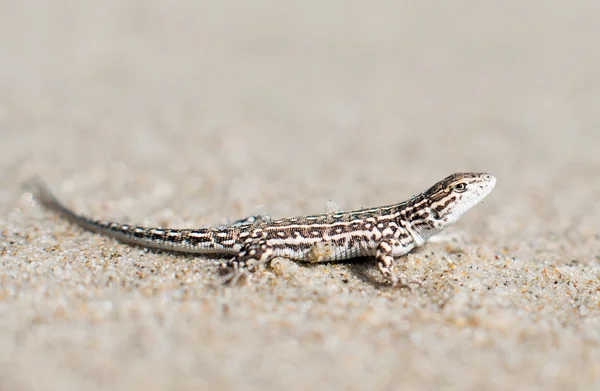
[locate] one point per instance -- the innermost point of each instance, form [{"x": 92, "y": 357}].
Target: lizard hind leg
[
  {"x": 250, "y": 256},
  {"x": 251, "y": 220}
]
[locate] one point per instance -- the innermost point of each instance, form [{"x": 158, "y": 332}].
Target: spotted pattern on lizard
[{"x": 385, "y": 233}]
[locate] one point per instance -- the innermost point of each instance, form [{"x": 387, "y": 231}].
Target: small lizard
[{"x": 385, "y": 233}]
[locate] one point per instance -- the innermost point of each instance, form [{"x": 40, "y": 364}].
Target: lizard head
[{"x": 451, "y": 197}]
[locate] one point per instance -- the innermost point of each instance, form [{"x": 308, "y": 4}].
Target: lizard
[{"x": 385, "y": 233}]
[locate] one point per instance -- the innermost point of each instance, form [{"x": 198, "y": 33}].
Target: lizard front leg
[{"x": 385, "y": 263}]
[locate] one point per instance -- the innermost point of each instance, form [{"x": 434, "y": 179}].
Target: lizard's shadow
[
  {"x": 365, "y": 269},
  {"x": 362, "y": 268}
]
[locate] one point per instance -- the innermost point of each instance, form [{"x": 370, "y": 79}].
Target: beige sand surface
[{"x": 195, "y": 112}]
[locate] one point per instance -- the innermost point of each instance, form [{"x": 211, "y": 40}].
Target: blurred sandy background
[{"x": 190, "y": 113}]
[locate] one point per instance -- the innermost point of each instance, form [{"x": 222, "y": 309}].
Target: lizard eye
[{"x": 460, "y": 187}]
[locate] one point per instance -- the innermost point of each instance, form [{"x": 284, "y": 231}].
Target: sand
[{"x": 198, "y": 113}]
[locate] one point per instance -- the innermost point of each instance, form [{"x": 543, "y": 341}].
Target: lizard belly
[
  {"x": 400, "y": 250},
  {"x": 325, "y": 251}
]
